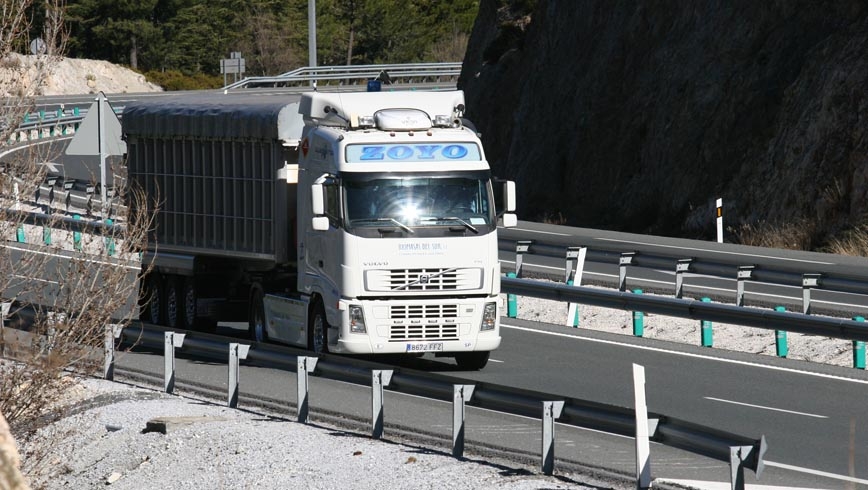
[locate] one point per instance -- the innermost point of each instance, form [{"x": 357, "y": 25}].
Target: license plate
[{"x": 425, "y": 347}]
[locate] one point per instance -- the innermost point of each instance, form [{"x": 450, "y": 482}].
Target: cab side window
[{"x": 332, "y": 204}]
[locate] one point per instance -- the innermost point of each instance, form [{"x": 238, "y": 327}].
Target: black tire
[
  {"x": 317, "y": 330},
  {"x": 256, "y": 315},
  {"x": 153, "y": 296},
  {"x": 189, "y": 298},
  {"x": 472, "y": 361},
  {"x": 174, "y": 310}
]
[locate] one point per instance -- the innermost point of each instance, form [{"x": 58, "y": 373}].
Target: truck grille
[
  {"x": 423, "y": 322},
  {"x": 415, "y": 280}
]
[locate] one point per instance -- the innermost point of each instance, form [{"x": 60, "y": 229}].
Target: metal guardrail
[
  {"x": 97, "y": 227},
  {"x": 739, "y": 451},
  {"x": 803, "y": 275},
  {"x": 687, "y": 308},
  {"x": 354, "y": 74}
]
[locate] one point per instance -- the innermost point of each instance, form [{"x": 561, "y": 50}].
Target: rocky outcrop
[{"x": 636, "y": 115}]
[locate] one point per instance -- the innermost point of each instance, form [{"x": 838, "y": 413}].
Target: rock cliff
[{"x": 635, "y": 116}]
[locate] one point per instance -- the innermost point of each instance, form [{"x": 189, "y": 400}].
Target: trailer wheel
[
  {"x": 317, "y": 331},
  {"x": 153, "y": 297},
  {"x": 174, "y": 311},
  {"x": 189, "y": 299},
  {"x": 472, "y": 361},
  {"x": 256, "y": 315}
]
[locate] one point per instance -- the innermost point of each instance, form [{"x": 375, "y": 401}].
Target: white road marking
[
  {"x": 817, "y": 472},
  {"x": 696, "y": 356},
  {"x": 542, "y": 232},
  {"x": 714, "y": 485},
  {"x": 716, "y": 251},
  {"x": 764, "y": 408}
]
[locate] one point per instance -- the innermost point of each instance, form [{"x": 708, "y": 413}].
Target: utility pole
[{"x": 311, "y": 29}]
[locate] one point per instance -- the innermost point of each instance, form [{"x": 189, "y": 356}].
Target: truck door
[{"x": 325, "y": 248}]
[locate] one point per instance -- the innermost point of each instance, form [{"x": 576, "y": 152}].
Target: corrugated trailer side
[{"x": 210, "y": 170}]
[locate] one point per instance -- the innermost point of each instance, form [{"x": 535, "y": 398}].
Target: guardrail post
[
  {"x": 745, "y": 273},
  {"x": 305, "y": 365},
  {"x": 379, "y": 379},
  {"x": 859, "y": 349},
  {"x": 575, "y": 257},
  {"x": 511, "y": 303},
  {"x": 625, "y": 260},
  {"x": 682, "y": 266},
  {"x": 781, "y": 348},
  {"x": 706, "y": 332},
  {"x": 638, "y": 319},
  {"x": 4, "y": 312},
  {"x": 643, "y": 444},
  {"x": 737, "y": 456},
  {"x": 461, "y": 394},
  {"x": 112, "y": 332},
  {"x": 809, "y": 281},
  {"x": 521, "y": 247},
  {"x": 236, "y": 353},
  {"x": 551, "y": 411},
  {"x": 171, "y": 341}
]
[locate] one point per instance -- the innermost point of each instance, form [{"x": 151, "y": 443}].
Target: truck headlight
[
  {"x": 357, "y": 320},
  {"x": 489, "y": 317}
]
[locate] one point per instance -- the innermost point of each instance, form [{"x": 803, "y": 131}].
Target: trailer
[{"x": 354, "y": 223}]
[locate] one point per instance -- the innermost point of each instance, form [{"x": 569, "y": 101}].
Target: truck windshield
[{"x": 418, "y": 202}]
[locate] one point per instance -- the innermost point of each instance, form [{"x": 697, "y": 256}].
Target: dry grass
[
  {"x": 796, "y": 235},
  {"x": 852, "y": 242}
]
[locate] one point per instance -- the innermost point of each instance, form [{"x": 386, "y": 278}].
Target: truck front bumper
[{"x": 418, "y": 326}]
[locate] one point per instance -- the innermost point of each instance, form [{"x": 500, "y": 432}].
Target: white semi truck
[{"x": 357, "y": 223}]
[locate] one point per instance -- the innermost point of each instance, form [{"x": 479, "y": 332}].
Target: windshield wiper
[
  {"x": 385, "y": 220},
  {"x": 452, "y": 218}
]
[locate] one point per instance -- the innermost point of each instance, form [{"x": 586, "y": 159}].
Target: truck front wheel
[
  {"x": 317, "y": 340},
  {"x": 472, "y": 361}
]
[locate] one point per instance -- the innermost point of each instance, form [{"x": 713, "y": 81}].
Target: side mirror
[
  {"x": 509, "y": 220},
  {"x": 509, "y": 196},
  {"x": 320, "y": 223},
  {"x": 317, "y": 203}
]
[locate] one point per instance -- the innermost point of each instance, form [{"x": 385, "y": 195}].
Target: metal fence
[{"x": 411, "y": 73}]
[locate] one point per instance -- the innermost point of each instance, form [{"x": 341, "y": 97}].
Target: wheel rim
[
  {"x": 190, "y": 305},
  {"x": 172, "y": 307},
  {"x": 154, "y": 303}
]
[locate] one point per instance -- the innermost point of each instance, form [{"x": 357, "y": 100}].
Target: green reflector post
[
  {"x": 109, "y": 241},
  {"x": 859, "y": 349},
  {"x": 19, "y": 234},
  {"x": 76, "y": 235},
  {"x": 511, "y": 303},
  {"x": 46, "y": 235},
  {"x": 638, "y": 319},
  {"x": 576, "y": 316},
  {"x": 781, "y": 347},
  {"x": 706, "y": 333}
]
